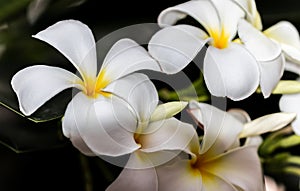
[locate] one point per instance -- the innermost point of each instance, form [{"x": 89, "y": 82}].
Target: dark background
[{"x": 37, "y": 156}]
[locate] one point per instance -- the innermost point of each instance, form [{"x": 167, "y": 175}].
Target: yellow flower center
[
  {"x": 94, "y": 87},
  {"x": 220, "y": 39}
]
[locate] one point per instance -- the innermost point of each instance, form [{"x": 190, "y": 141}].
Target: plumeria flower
[
  {"x": 271, "y": 185},
  {"x": 229, "y": 68},
  {"x": 220, "y": 163},
  {"x": 97, "y": 116}
]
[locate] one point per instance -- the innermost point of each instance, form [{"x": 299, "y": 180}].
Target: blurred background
[{"x": 36, "y": 156}]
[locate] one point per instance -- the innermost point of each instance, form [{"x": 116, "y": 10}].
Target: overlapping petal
[
  {"x": 179, "y": 176},
  {"x": 240, "y": 167},
  {"x": 132, "y": 89},
  {"x": 170, "y": 134},
  {"x": 100, "y": 124},
  {"x": 76, "y": 42},
  {"x": 135, "y": 179},
  {"x": 287, "y": 36},
  {"x": 231, "y": 72},
  {"x": 221, "y": 130},
  {"x": 204, "y": 11},
  {"x": 37, "y": 84},
  {"x": 176, "y": 46},
  {"x": 125, "y": 57},
  {"x": 267, "y": 53}
]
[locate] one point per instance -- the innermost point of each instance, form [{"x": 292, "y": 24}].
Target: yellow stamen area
[
  {"x": 220, "y": 39},
  {"x": 93, "y": 87}
]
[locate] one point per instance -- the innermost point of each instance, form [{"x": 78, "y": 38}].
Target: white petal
[
  {"x": 167, "y": 110},
  {"x": 240, "y": 167},
  {"x": 292, "y": 67},
  {"x": 204, "y": 12},
  {"x": 267, "y": 123},
  {"x": 176, "y": 46},
  {"x": 240, "y": 115},
  {"x": 170, "y": 134},
  {"x": 231, "y": 72},
  {"x": 291, "y": 53},
  {"x": 290, "y": 103},
  {"x": 179, "y": 176},
  {"x": 135, "y": 179},
  {"x": 230, "y": 14},
  {"x": 271, "y": 73},
  {"x": 37, "y": 84},
  {"x": 137, "y": 90},
  {"x": 221, "y": 130},
  {"x": 76, "y": 42},
  {"x": 284, "y": 32},
  {"x": 257, "y": 43},
  {"x": 125, "y": 57},
  {"x": 100, "y": 124},
  {"x": 252, "y": 15}
]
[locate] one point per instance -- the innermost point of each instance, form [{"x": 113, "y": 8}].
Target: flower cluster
[{"x": 115, "y": 110}]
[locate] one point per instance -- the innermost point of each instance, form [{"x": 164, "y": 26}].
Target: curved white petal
[
  {"x": 170, "y": 134},
  {"x": 271, "y": 73},
  {"x": 240, "y": 115},
  {"x": 167, "y": 110},
  {"x": 179, "y": 176},
  {"x": 240, "y": 167},
  {"x": 139, "y": 92},
  {"x": 231, "y": 72},
  {"x": 203, "y": 11},
  {"x": 284, "y": 32},
  {"x": 125, "y": 57},
  {"x": 252, "y": 15},
  {"x": 176, "y": 46},
  {"x": 262, "y": 48},
  {"x": 100, "y": 124},
  {"x": 37, "y": 84},
  {"x": 291, "y": 53},
  {"x": 267, "y": 123},
  {"x": 135, "y": 179},
  {"x": 290, "y": 103},
  {"x": 76, "y": 42},
  {"x": 221, "y": 130}
]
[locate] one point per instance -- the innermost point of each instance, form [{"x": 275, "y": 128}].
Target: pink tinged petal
[
  {"x": 175, "y": 47},
  {"x": 135, "y": 179},
  {"x": 290, "y": 103},
  {"x": 139, "y": 92},
  {"x": 100, "y": 124},
  {"x": 125, "y": 57},
  {"x": 271, "y": 73},
  {"x": 170, "y": 134},
  {"x": 37, "y": 84},
  {"x": 240, "y": 167},
  {"x": 179, "y": 176},
  {"x": 221, "y": 130},
  {"x": 204, "y": 12},
  {"x": 76, "y": 42},
  {"x": 232, "y": 72}
]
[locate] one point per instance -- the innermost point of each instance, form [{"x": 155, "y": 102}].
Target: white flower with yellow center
[
  {"x": 229, "y": 68},
  {"x": 99, "y": 115},
  {"x": 220, "y": 163}
]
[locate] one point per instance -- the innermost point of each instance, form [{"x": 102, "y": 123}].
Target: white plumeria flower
[
  {"x": 229, "y": 68},
  {"x": 220, "y": 163},
  {"x": 98, "y": 116},
  {"x": 271, "y": 185}
]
